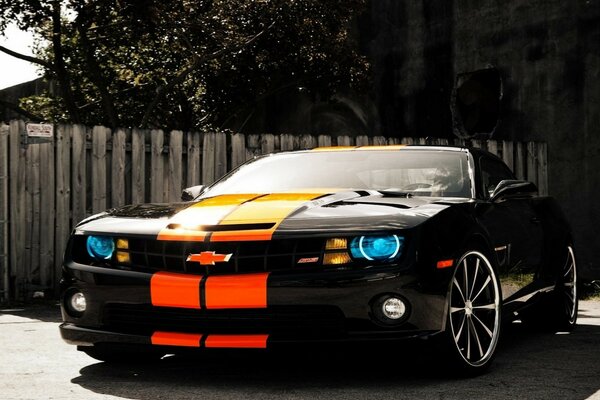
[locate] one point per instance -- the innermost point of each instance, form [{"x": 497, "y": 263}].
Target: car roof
[{"x": 391, "y": 147}]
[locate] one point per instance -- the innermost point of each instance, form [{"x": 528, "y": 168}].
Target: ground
[{"x": 37, "y": 364}]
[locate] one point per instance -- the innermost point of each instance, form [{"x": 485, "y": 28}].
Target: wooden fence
[{"x": 45, "y": 189}]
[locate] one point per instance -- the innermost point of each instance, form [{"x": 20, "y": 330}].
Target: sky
[{"x": 12, "y": 70}]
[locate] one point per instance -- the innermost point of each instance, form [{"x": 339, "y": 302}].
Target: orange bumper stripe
[
  {"x": 176, "y": 339},
  {"x": 237, "y": 341},
  {"x": 175, "y": 290},
  {"x": 270, "y": 208},
  {"x": 236, "y": 291}
]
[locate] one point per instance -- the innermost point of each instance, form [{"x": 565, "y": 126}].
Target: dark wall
[
  {"x": 548, "y": 56},
  {"x": 14, "y": 93}
]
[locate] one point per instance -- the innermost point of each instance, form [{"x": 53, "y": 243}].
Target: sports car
[{"x": 342, "y": 244}]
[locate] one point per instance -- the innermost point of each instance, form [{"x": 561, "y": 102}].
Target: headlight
[
  {"x": 100, "y": 247},
  {"x": 377, "y": 248}
]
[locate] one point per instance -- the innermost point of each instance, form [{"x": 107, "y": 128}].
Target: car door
[{"x": 513, "y": 228}]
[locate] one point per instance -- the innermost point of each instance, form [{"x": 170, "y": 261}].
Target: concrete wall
[{"x": 548, "y": 55}]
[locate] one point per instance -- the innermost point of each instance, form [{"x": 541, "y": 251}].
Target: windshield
[{"x": 413, "y": 172}]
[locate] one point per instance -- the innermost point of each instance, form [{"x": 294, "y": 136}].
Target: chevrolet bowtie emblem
[{"x": 209, "y": 258}]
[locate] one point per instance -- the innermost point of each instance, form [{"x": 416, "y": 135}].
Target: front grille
[
  {"x": 291, "y": 321},
  {"x": 259, "y": 256},
  {"x": 246, "y": 256}
]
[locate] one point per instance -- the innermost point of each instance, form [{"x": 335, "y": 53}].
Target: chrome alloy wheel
[
  {"x": 474, "y": 309},
  {"x": 569, "y": 290}
]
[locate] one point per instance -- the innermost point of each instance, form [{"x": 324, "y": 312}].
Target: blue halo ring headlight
[
  {"x": 100, "y": 247},
  {"x": 377, "y": 247}
]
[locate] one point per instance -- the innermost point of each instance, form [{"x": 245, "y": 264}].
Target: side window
[{"x": 492, "y": 172}]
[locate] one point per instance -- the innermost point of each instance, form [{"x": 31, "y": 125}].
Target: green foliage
[{"x": 184, "y": 64}]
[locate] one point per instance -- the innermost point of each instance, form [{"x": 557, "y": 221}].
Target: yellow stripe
[
  {"x": 270, "y": 208},
  {"x": 206, "y": 212},
  {"x": 359, "y": 148}
]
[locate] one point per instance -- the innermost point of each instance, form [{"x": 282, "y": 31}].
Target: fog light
[
  {"x": 78, "y": 302},
  {"x": 393, "y": 308}
]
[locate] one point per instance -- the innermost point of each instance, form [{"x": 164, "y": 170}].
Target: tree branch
[
  {"x": 19, "y": 110},
  {"x": 162, "y": 90},
  {"x": 62, "y": 74},
  {"x": 31, "y": 59},
  {"x": 95, "y": 73}
]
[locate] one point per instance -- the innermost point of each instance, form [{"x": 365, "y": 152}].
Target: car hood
[{"x": 264, "y": 216}]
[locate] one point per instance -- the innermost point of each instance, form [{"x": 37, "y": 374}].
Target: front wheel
[{"x": 474, "y": 313}]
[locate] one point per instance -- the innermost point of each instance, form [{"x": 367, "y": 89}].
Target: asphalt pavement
[{"x": 36, "y": 364}]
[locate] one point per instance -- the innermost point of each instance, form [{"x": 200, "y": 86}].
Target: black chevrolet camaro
[{"x": 328, "y": 245}]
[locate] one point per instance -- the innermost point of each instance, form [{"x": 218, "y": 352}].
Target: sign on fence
[{"x": 40, "y": 130}]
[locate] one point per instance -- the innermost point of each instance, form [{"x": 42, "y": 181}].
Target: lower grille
[{"x": 291, "y": 321}]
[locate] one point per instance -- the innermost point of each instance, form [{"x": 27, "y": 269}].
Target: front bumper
[{"x": 139, "y": 308}]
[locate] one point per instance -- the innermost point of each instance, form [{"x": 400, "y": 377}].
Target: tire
[
  {"x": 566, "y": 303},
  {"x": 120, "y": 354},
  {"x": 557, "y": 311},
  {"x": 474, "y": 314},
  {"x": 561, "y": 312}
]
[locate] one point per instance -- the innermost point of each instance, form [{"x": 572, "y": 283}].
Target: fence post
[{"x": 4, "y": 265}]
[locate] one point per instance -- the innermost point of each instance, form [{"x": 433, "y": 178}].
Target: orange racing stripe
[
  {"x": 272, "y": 208},
  {"x": 237, "y": 341},
  {"x": 252, "y": 341},
  {"x": 186, "y": 225},
  {"x": 236, "y": 291},
  {"x": 176, "y": 339},
  {"x": 175, "y": 290}
]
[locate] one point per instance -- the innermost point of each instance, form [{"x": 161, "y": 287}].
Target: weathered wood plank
[
  {"x": 4, "y": 233},
  {"x": 519, "y": 161},
  {"x": 47, "y": 220},
  {"x": 208, "y": 158},
  {"x": 492, "y": 147},
  {"x": 193, "y": 159},
  {"x": 138, "y": 166},
  {"x": 344, "y": 141},
  {"x": 119, "y": 139},
  {"x": 63, "y": 198},
  {"x": 287, "y": 142},
  {"x": 79, "y": 168},
  {"x": 380, "y": 141},
  {"x": 32, "y": 257},
  {"x": 532, "y": 162},
  {"x": 238, "y": 149},
  {"x": 99, "y": 136},
  {"x": 362, "y": 140},
  {"x": 507, "y": 154},
  {"x": 324, "y": 141},
  {"x": 157, "y": 139},
  {"x": 542, "y": 157},
  {"x": 267, "y": 143},
  {"x": 17, "y": 168},
  {"x": 175, "y": 165},
  {"x": 220, "y": 155},
  {"x": 307, "y": 142}
]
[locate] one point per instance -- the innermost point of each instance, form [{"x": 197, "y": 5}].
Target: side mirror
[
  {"x": 513, "y": 189},
  {"x": 189, "y": 194}
]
